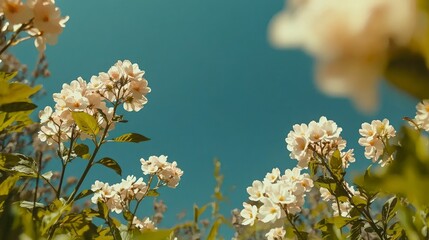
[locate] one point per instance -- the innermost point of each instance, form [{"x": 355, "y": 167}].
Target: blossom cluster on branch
[
  {"x": 123, "y": 84},
  {"x": 40, "y": 19}
]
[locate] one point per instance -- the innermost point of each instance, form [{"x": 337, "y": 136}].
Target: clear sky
[{"x": 219, "y": 90}]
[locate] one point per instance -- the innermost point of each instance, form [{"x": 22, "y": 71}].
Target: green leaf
[
  {"x": 82, "y": 150},
  {"x": 160, "y": 234},
  {"x": 407, "y": 71},
  {"x": 84, "y": 193},
  {"x": 86, "y": 123},
  {"x": 17, "y": 92},
  {"x": 389, "y": 209},
  {"x": 102, "y": 209},
  {"x": 359, "y": 201},
  {"x": 336, "y": 164},
  {"x": 214, "y": 229},
  {"x": 313, "y": 166},
  {"x": 199, "y": 211},
  {"x": 327, "y": 183},
  {"x": 152, "y": 193},
  {"x": 17, "y": 107},
  {"x": 356, "y": 229},
  {"x": 131, "y": 137},
  {"x": 112, "y": 164},
  {"x": 7, "y": 185},
  {"x": 127, "y": 215}
]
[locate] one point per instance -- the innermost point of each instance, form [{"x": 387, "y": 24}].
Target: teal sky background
[{"x": 219, "y": 90}]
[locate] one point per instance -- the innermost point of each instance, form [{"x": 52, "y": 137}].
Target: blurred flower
[
  {"x": 15, "y": 11},
  {"x": 422, "y": 114},
  {"x": 276, "y": 234},
  {"x": 350, "y": 40}
]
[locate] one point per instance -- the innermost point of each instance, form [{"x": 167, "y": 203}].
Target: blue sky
[{"x": 219, "y": 90}]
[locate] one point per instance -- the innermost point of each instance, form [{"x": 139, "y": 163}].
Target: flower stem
[
  {"x": 14, "y": 36},
  {"x": 340, "y": 183}
]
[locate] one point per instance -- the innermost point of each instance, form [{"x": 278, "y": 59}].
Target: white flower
[
  {"x": 280, "y": 193},
  {"x": 374, "y": 138},
  {"x": 15, "y": 11},
  {"x": 325, "y": 194},
  {"x": 272, "y": 176},
  {"x": 249, "y": 214},
  {"x": 422, "y": 114},
  {"x": 256, "y": 191},
  {"x": 345, "y": 208},
  {"x": 269, "y": 211},
  {"x": 171, "y": 175},
  {"x": 276, "y": 234},
  {"x": 145, "y": 224},
  {"x": 45, "y": 114}
]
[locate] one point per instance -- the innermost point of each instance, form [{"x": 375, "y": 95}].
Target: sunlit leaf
[
  {"x": 389, "y": 209},
  {"x": 86, "y": 123},
  {"x": 112, "y": 164},
  {"x": 17, "y": 107},
  {"x": 82, "y": 150},
  {"x": 408, "y": 71},
  {"x": 102, "y": 209},
  {"x": 131, "y": 137},
  {"x": 160, "y": 234},
  {"x": 84, "y": 193},
  {"x": 7, "y": 185},
  {"x": 152, "y": 193}
]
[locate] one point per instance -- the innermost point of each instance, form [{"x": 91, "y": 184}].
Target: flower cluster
[
  {"x": 350, "y": 40},
  {"x": 118, "y": 196},
  {"x": 122, "y": 84},
  {"x": 375, "y": 138},
  {"x": 166, "y": 172},
  {"x": 277, "y": 196},
  {"x": 317, "y": 138},
  {"x": 422, "y": 115},
  {"x": 41, "y": 19}
]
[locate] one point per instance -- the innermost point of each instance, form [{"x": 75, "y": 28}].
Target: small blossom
[
  {"x": 422, "y": 115},
  {"x": 276, "y": 234},
  {"x": 269, "y": 211},
  {"x": 256, "y": 191},
  {"x": 249, "y": 214}
]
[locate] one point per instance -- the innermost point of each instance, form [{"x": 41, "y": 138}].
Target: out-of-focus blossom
[
  {"x": 143, "y": 225},
  {"x": 422, "y": 115},
  {"x": 350, "y": 40},
  {"x": 16, "y": 11},
  {"x": 276, "y": 234}
]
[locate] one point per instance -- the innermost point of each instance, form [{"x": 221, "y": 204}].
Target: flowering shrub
[
  {"x": 276, "y": 204},
  {"x": 354, "y": 43}
]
